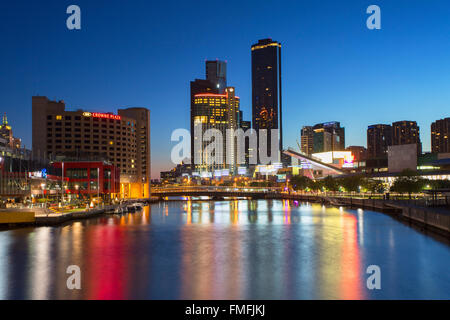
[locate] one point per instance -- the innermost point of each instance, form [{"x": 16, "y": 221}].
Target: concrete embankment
[{"x": 45, "y": 217}]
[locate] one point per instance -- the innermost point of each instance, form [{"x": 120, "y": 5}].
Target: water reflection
[{"x": 235, "y": 249}]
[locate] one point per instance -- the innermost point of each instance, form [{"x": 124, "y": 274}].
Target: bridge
[{"x": 217, "y": 192}]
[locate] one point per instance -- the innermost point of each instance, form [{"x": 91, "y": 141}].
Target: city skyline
[{"x": 399, "y": 76}]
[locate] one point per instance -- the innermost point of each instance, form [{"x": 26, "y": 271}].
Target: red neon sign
[{"x": 102, "y": 115}]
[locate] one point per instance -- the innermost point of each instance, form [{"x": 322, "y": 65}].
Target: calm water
[{"x": 226, "y": 250}]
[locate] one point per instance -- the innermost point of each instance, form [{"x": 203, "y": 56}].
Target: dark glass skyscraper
[
  {"x": 266, "y": 88},
  {"x": 216, "y": 72}
]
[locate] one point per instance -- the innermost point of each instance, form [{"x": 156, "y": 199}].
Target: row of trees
[{"x": 407, "y": 183}]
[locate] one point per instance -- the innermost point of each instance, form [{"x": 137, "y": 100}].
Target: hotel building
[{"x": 122, "y": 139}]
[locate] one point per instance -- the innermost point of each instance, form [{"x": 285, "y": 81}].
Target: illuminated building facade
[
  {"x": 221, "y": 112},
  {"x": 89, "y": 178},
  {"x": 359, "y": 152},
  {"x": 440, "y": 136},
  {"x": 406, "y": 132},
  {"x": 7, "y": 134},
  {"x": 266, "y": 89},
  {"x": 215, "y": 82},
  {"x": 122, "y": 139}
]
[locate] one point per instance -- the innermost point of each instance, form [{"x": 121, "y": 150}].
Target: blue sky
[{"x": 144, "y": 53}]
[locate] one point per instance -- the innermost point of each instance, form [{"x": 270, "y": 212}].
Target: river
[{"x": 236, "y": 249}]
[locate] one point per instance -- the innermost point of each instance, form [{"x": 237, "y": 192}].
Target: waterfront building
[
  {"x": 90, "y": 179},
  {"x": 379, "y": 138},
  {"x": 122, "y": 139},
  {"x": 406, "y": 132},
  {"x": 440, "y": 136},
  {"x": 266, "y": 90}
]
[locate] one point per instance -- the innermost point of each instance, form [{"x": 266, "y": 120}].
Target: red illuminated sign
[{"x": 102, "y": 115}]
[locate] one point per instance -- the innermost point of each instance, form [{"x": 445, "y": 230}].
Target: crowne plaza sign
[{"x": 102, "y": 115}]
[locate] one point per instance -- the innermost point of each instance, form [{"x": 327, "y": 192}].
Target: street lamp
[
  {"x": 78, "y": 193},
  {"x": 43, "y": 188}
]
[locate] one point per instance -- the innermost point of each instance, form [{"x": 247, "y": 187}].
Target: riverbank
[{"x": 38, "y": 217}]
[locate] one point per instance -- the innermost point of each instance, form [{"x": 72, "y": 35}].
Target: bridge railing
[{"x": 187, "y": 189}]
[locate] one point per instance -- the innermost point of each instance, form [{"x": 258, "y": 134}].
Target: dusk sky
[{"x": 144, "y": 54}]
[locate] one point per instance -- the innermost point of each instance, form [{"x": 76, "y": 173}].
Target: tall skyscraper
[
  {"x": 216, "y": 72},
  {"x": 379, "y": 137},
  {"x": 221, "y": 112},
  {"x": 440, "y": 136},
  {"x": 266, "y": 89},
  {"x": 215, "y": 82},
  {"x": 198, "y": 86},
  {"x": 406, "y": 132},
  {"x": 306, "y": 139}
]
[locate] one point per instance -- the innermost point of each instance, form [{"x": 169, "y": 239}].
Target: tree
[
  {"x": 330, "y": 184},
  {"x": 352, "y": 183},
  {"x": 300, "y": 182},
  {"x": 408, "y": 182},
  {"x": 374, "y": 186}
]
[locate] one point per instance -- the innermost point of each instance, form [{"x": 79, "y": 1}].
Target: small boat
[
  {"x": 120, "y": 210},
  {"x": 139, "y": 206},
  {"x": 131, "y": 208}
]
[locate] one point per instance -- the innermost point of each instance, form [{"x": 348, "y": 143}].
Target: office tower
[
  {"x": 216, "y": 73},
  {"x": 440, "y": 136},
  {"x": 379, "y": 137},
  {"x": 306, "y": 139},
  {"x": 122, "y": 139},
  {"x": 221, "y": 112},
  {"x": 215, "y": 82},
  {"x": 199, "y": 86},
  {"x": 406, "y": 132},
  {"x": 266, "y": 89},
  {"x": 328, "y": 136}
]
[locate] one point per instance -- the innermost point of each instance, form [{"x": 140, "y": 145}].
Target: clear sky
[{"x": 144, "y": 53}]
